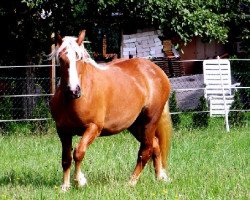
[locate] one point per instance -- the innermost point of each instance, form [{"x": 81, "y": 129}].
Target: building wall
[
  {"x": 197, "y": 50},
  {"x": 142, "y": 44}
]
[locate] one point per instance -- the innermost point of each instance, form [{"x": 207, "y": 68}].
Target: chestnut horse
[{"x": 93, "y": 100}]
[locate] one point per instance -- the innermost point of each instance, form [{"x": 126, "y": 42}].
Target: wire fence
[{"x": 25, "y": 91}]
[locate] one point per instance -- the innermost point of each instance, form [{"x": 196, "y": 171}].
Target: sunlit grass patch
[{"x": 204, "y": 164}]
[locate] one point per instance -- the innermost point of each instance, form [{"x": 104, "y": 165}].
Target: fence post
[
  {"x": 53, "y": 69},
  {"x": 104, "y": 46}
]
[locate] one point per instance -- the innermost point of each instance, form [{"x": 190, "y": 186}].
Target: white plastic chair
[{"x": 218, "y": 87}]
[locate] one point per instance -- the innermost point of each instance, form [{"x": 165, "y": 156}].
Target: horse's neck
[
  {"x": 87, "y": 74},
  {"x": 91, "y": 68}
]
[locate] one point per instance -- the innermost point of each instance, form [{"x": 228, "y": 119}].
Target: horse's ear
[
  {"x": 81, "y": 37},
  {"x": 58, "y": 39}
]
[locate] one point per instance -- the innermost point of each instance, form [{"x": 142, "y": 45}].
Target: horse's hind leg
[
  {"x": 66, "y": 159},
  {"x": 157, "y": 160},
  {"x": 145, "y": 152}
]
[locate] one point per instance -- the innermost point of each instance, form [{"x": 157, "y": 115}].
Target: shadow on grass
[
  {"x": 103, "y": 178},
  {"x": 26, "y": 178},
  {"x": 36, "y": 179}
]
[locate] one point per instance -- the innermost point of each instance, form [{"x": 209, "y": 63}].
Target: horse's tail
[{"x": 163, "y": 133}]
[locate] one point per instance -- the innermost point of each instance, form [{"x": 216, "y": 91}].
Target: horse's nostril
[
  {"x": 78, "y": 89},
  {"x": 77, "y": 92},
  {"x": 74, "y": 94}
]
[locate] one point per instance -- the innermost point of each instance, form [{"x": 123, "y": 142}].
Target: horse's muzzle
[{"x": 74, "y": 94}]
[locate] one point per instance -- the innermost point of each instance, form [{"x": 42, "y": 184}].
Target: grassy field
[{"x": 204, "y": 164}]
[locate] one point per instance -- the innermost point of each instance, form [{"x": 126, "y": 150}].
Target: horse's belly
[{"x": 120, "y": 121}]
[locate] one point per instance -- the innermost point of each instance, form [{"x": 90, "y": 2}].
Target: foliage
[
  {"x": 24, "y": 128},
  {"x": 5, "y": 112},
  {"x": 196, "y": 18},
  {"x": 174, "y": 108},
  {"x": 113, "y": 38},
  {"x": 237, "y": 118},
  {"x": 25, "y": 33},
  {"x": 201, "y": 119},
  {"x": 5, "y": 108},
  {"x": 41, "y": 111},
  {"x": 241, "y": 72},
  {"x": 88, "y": 47},
  {"x": 27, "y": 25},
  {"x": 239, "y": 13}
]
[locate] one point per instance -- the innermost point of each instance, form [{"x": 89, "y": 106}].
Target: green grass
[{"x": 204, "y": 164}]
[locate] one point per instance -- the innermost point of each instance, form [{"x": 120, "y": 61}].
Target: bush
[
  {"x": 6, "y": 107},
  {"x": 201, "y": 119},
  {"x": 41, "y": 111},
  {"x": 237, "y": 118},
  {"x": 174, "y": 108}
]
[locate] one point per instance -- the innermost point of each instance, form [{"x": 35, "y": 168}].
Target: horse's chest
[
  {"x": 69, "y": 118},
  {"x": 64, "y": 119},
  {"x": 74, "y": 116},
  {"x": 63, "y": 114}
]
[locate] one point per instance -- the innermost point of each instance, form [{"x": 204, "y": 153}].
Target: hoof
[
  {"x": 65, "y": 187},
  {"x": 132, "y": 182},
  {"x": 81, "y": 181},
  {"x": 164, "y": 177}
]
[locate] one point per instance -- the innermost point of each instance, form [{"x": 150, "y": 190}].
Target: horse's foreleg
[
  {"x": 88, "y": 137},
  {"x": 66, "y": 160}
]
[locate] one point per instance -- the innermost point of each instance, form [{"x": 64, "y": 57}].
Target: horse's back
[
  {"x": 145, "y": 72},
  {"x": 138, "y": 64}
]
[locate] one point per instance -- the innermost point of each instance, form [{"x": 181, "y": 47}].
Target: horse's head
[{"x": 69, "y": 51}]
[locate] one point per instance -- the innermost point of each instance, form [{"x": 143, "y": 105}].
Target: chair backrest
[{"x": 217, "y": 77}]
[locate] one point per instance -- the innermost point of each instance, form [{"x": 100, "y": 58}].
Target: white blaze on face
[{"x": 73, "y": 76}]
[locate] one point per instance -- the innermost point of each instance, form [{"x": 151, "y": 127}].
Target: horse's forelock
[
  {"x": 70, "y": 42},
  {"x": 81, "y": 52}
]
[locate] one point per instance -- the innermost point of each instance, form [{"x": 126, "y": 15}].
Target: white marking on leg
[
  {"x": 134, "y": 179},
  {"x": 66, "y": 180},
  {"x": 80, "y": 179},
  {"x": 65, "y": 187},
  {"x": 163, "y": 176}
]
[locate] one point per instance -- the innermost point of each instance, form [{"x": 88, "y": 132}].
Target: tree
[
  {"x": 239, "y": 24},
  {"x": 27, "y": 24},
  {"x": 210, "y": 19},
  {"x": 24, "y": 33}
]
